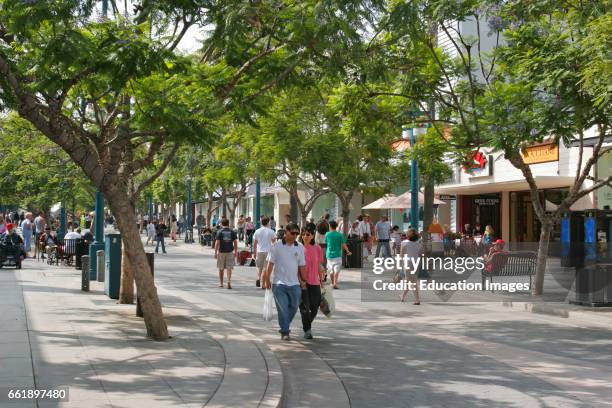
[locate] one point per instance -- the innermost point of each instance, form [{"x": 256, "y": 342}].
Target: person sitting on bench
[{"x": 497, "y": 248}]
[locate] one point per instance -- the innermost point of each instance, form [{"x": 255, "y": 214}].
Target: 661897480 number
[{"x": 12, "y": 394}]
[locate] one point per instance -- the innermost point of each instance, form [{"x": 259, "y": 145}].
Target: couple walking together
[{"x": 295, "y": 274}]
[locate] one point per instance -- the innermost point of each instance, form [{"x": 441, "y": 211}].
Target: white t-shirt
[
  {"x": 411, "y": 249},
  {"x": 72, "y": 235},
  {"x": 286, "y": 259},
  {"x": 364, "y": 228},
  {"x": 151, "y": 228},
  {"x": 264, "y": 237}
]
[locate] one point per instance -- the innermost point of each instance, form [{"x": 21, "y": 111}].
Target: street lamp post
[
  {"x": 414, "y": 185},
  {"x": 189, "y": 237},
  {"x": 62, "y": 226},
  {"x": 98, "y": 243},
  {"x": 62, "y": 230},
  {"x": 257, "y": 201}
]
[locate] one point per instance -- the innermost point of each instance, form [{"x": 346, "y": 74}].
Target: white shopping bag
[
  {"x": 268, "y": 311},
  {"x": 328, "y": 305}
]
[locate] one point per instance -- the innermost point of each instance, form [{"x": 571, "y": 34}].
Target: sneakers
[
  {"x": 308, "y": 334},
  {"x": 285, "y": 337},
  {"x": 258, "y": 283}
]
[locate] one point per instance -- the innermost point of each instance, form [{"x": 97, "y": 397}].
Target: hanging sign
[{"x": 541, "y": 153}]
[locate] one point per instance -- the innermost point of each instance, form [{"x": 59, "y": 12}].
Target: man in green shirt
[{"x": 335, "y": 242}]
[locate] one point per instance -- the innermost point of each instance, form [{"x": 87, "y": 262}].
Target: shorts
[
  {"x": 225, "y": 260},
  {"x": 260, "y": 260},
  {"x": 334, "y": 265}
]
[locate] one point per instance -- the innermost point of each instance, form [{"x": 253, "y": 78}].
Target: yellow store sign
[{"x": 543, "y": 153}]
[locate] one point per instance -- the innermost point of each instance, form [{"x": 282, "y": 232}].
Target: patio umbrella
[
  {"x": 403, "y": 201},
  {"x": 378, "y": 204}
]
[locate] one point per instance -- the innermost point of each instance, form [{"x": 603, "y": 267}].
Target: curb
[
  {"x": 229, "y": 337},
  {"x": 273, "y": 397}
]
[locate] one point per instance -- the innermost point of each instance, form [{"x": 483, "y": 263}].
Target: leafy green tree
[
  {"x": 355, "y": 146},
  {"x": 525, "y": 72},
  {"x": 546, "y": 89},
  {"x": 114, "y": 96},
  {"x": 431, "y": 153},
  {"x": 235, "y": 166},
  {"x": 36, "y": 173},
  {"x": 287, "y": 141}
]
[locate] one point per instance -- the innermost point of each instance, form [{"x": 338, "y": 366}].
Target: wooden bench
[{"x": 511, "y": 264}]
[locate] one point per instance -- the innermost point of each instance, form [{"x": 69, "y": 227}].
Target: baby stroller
[{"x": 10, "y": 255}]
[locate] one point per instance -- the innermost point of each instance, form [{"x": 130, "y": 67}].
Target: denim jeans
[
  {"x": 287, "y": 300},
  {"x": 163, "y": 244},
  {"x": 386, "y": 249}
]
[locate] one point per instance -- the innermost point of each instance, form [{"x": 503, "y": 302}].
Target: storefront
[
  {"x": 493, "y": 192},
  {"x": 480, "y": 210},
  {"x": 526, "y": 226}
]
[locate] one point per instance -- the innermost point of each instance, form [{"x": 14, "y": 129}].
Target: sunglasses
[
  {"x": 291, "y": 232},
  {"x": 306, "y": 234}
]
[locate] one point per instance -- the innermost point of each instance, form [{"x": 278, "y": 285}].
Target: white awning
[{"x": 485, "y": 187}]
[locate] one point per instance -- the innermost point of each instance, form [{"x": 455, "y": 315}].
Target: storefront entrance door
[{"x": 524, "y": 224}]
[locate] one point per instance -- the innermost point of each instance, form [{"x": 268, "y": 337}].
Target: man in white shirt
[
  {"x": 365, "y": 233},
  {"x": 39, "y": 223},
  {"x": 263, "y": 238},
  {"x": 73, "y": 234},
  {"x": 383, "y": 236},
  {"x": 287, "y": 264},
  {"x": 150, "y": 233}
]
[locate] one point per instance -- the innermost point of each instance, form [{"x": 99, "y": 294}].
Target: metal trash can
[
  {"x": 355, "y": 260},
  {"x": 594, "y": 285},
  {"x": 112, "y": 278},
  {"x": 101, "y": 265}
]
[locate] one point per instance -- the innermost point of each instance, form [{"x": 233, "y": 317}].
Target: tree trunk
[
  {"x": 538, "y": 284},
  {"x": 210, "y": 209},
  {"x": 126, "y": 290},
  {"x": 293, "y": 206},
  {"x": 345, "y": 212},
  {"x": 126, "y": 220},
  {"x": 232, "y": 214}
]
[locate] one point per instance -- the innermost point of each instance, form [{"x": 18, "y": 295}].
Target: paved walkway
[
  {"x": 222, "y": 354},
  {"x": 56, "y": 335}
]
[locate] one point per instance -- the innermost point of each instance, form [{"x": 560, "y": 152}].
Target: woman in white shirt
[{"x": 412, "y": 249}]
